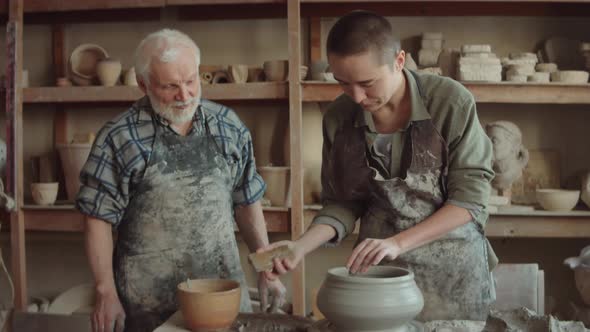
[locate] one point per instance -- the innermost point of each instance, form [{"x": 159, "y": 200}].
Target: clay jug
[
  {"x": 385, "y": 298},
  {"x": 73, "y": 157},
  {"x": 108, "y": 71}
]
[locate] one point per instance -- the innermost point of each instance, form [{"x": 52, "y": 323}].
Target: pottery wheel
[
  {"x": 325, "y": 326},
  {"x": 258, "y": 322}
]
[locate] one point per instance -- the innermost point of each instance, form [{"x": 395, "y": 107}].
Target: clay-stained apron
[
  {"x": 178, "y": 225},
  {"x": 452, "y": 272}
]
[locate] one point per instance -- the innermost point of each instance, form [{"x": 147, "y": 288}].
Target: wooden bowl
[
  {"x": 209, "y": 304},
  {"x": 557, "y": 199}
]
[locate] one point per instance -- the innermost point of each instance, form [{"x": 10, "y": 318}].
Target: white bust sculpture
[{"x": 510, "y": 156}]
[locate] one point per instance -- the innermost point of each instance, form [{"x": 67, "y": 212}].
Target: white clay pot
[
  {"x": 44, "y": 193},
  {"x": 570, "y": 76},
  {"x": 386, "y": 298},
  {"x": 238, "y": 73},
  {"x": 130, "y": 77},
  {"x": 73, "y": 157},
  {"x": 108, "y": 71}
]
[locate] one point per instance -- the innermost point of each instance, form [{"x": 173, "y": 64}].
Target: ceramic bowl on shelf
[
  {"x": 209, "y": 304},
  {"x": 44, "y": 193},
  {"x": 84, "y": 61},
  {"x": 557, "y": 199}
]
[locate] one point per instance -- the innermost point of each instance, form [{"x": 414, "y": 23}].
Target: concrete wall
[{"x": 56, "y": 261}]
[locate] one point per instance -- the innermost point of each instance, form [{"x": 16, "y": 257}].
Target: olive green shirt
[{"x": 451, "y": 107}]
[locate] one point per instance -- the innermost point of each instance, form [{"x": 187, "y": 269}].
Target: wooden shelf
[
  {"x": 523, "y": 93},
  {"x": 536, "y": 224},
  {"x": 64, "y": 218},
  {"x": 335, "y": 8},
  {"x": 100, "y": 94}
]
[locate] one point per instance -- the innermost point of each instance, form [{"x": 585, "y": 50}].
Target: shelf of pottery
[{"x": 95, "y": 78}]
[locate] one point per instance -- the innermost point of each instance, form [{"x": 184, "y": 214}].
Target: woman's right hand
[
  {"x": 284, "y": 265},
  {"x": 108, "y": 315}
]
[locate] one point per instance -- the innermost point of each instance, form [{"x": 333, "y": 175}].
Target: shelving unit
[{"x": 285, "y": 220}]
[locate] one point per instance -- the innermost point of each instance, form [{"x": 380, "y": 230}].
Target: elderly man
[
  {"x": 406, "y": 154},
  {"x": 169, "y": 175}
]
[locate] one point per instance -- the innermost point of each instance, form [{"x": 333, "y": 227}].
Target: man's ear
[{"x": 399, "y": 61}]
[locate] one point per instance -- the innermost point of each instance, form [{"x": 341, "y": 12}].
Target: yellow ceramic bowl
[{"x": 209, "y": 304}]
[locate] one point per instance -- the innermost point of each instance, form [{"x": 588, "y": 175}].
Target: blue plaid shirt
[{"x": 122, "y": 148}]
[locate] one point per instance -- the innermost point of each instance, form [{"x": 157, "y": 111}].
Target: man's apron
[
  {"x": 452, "y": 272},
  {"x": 178, "y": 225}
]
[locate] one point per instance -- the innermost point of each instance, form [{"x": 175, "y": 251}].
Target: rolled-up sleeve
[
  {"x": 470, "y": 164},
  {"x": 104, "y": 191},
  {"x": 249, "y": 186},
  {"x": 341, "y": 215}
]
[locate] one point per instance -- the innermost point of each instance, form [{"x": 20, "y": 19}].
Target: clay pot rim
[
  {"x": 235, "y": 287},
  {"x": 557, "y": 190},
  {"x": 341, "y": 274}
]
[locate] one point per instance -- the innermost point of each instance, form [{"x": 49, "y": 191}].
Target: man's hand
[
  {"x": 108, "y": 315},
  {"x": 371, "y": 252},
  {"x": 275, "y": 289},
  {"x": 282, "y": 266}
]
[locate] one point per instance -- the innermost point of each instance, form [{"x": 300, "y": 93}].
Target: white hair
[{"x": 164, "y": 45}]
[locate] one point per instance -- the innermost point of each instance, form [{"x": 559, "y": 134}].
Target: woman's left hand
[{"x": 371, "y": 252}]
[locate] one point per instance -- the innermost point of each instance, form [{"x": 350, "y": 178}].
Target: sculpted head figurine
[{"x": 510, "y": 156}]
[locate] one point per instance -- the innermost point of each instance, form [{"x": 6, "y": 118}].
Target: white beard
[{"x": 171, "y": 113}]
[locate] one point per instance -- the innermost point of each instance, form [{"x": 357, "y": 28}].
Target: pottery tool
[{"x": 263, "y": 261}]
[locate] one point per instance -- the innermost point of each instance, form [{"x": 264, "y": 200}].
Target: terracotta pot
[
  {"x": 44, "y": 193},
  {"x": 276, "y": 70},
  {"x": 386, "y": 298},
  {"x": 277, "y": 181},
  {"x": 255, "y": 74},
  {"x": 83, "y": 62},
  {"x": 209, "y": 304},
  {"x": 73, "y": 157},
  {"x": 108, "y": 71}
]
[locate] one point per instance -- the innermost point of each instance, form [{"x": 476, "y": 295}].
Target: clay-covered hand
[
  {"x": 284, "y": 265},
  {"x": 273, "y": 289},
  {"x": 108, "y": 315},
  {"x": 370, "y": 252}
]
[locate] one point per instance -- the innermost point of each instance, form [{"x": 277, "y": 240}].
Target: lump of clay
[{"x": 510, "y": 156}]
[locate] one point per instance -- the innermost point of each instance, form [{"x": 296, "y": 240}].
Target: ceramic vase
[
  {"x": 73, "y": 157},
  {"x": 385, "y": 298},
  {"x": 108, "y": 71},
  {"x": 130, "y": 77}
]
